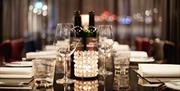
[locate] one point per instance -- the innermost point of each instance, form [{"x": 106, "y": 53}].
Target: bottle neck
[
  {"x": 91, "y": 19},
  {"x": 77, "y": 18},
  {"x": 77, "y": 21}
]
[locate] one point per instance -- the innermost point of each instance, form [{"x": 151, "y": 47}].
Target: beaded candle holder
[
  {"x": 86, "y": 85},
  {"x": 86, "y": 64}
]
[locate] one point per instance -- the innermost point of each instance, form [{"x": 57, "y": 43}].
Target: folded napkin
[
  {"x": 120, "y": 47},
  {"x": 59, "y": 44},
  {"x": 51, "y": 48},
  {"x": 15, "y": 72},
  {"x": 173, "y": 84},
  {"x": 42, "y": 54},
  {"x": 19, "y": 64},
  {"x": 159, "y": 70},
  {"x": 138, "y": 54},
  {"x": 143, "y": 59}
]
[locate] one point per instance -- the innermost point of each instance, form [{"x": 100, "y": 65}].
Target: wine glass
[
  {"x": 105, "y": 44},
  {"x": 65, "y": 49}
]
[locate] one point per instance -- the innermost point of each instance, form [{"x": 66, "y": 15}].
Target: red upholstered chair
[
  {"x": 138, "y": 43},
  {"x": 147, "y": 45},
  {"x": 5, "y": 50},
  {"x": 17, "y": 49}
]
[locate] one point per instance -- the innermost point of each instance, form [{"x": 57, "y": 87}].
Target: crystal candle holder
[{"x": 86, "y": 64}]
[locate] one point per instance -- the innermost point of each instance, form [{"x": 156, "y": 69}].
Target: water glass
[
  {"x": 121, "y": 62},
  {"x": 121, "y": 82},
  {"x": 121, "y": 66},
  {"x": 43, "y": 70}
]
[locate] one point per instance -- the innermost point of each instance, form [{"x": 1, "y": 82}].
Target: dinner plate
[
  {"x": 142, "y": 59},
  {"x": 175, "y": 84},
  {"x": 19, "y": 64}
]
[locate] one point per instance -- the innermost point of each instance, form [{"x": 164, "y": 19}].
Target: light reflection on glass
[{"x": 121, "y": 82}]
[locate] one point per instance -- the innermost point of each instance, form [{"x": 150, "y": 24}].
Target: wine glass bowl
[
  {"x": 105, "y": 43},
  {"x": 65, "y": 48}
]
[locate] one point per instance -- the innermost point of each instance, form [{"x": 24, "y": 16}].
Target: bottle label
[
  {"x": 91, "y": 43},
  {"x": 80, "y": 45}
]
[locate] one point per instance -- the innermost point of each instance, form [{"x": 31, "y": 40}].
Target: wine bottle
[
  {"x": 85, "y": 60},
  {"x": 78, "y": 30},
  {"x": 76, "y": 35},
  {"x": 91, "y": 39}
]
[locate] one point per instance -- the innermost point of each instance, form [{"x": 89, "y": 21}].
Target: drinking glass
[
  {"x": 121, "y": 68},
  {"x": 105, "y": 43},
  {"x": 65, "y": 49},
  {"x": 43, "y": 69}
]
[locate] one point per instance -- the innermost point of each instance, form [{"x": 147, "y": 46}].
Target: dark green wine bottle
[
  {"x": 91, "y": 36},
  {"x": 79, "y": 33}
]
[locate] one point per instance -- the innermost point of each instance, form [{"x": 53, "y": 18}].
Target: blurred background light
[
  {"x": 126, "y": 20},
  {"x": 30, "y": 7},
  {"x": 38, "y": 5},
  {"x": 44, "y": 7}
]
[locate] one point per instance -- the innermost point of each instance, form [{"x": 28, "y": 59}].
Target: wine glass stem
[
  {"x": 104, "y": 83},
  {"x": 105, "y": 63},
  {"x": 65, "y": 87},
  {"x": 65, "y": 67}
]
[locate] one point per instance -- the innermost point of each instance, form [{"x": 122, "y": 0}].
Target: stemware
[
  {"x": 65, "y": 48},
  {"x": 105, "y": 43}
]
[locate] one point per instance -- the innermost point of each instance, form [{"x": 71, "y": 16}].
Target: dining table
[
  {"x": 131, "y": 81},
  {"x": 101, "y": 83}
]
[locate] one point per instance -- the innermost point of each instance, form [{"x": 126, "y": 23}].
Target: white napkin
[
  {"x": 19, "y": 64},
  {"x": 173, "y": 84},
  {"x": 138, "y": 54},
  {"x": 159, "y": 70},
  {"x": 42, "y": 54},
  {"x": 120, "y": 47},
  {"x": 16, "y": 72},
  {"x": 148, "y": 59},
  {"x": 51, "y": 48}
]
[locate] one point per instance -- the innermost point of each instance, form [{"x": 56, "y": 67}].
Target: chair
[
  {"x": 29, "y": 46},
  {"x": 146, "y": 46},
  {"x": 157, "y": 50},
  {"x": 5, "y": 50},
  {"x": 17, "y": 49},
  {"x": 169, "y": 52},
  {"x": 138, "y": 43},
  {"x": 178, "y": 54}
]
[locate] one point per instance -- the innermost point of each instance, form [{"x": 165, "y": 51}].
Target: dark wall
[
  {"x": 172, "y": 26},
  {"x": 1, "y": 15},
  {"x": 173, "y": 21}
]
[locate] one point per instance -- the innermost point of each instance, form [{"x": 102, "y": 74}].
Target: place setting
[
  {"x": 159, "y": 75},
  {"x": 16, "y": 75}
]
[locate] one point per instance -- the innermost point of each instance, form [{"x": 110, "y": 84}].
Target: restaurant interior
[{"x": 133, "y": 45}]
